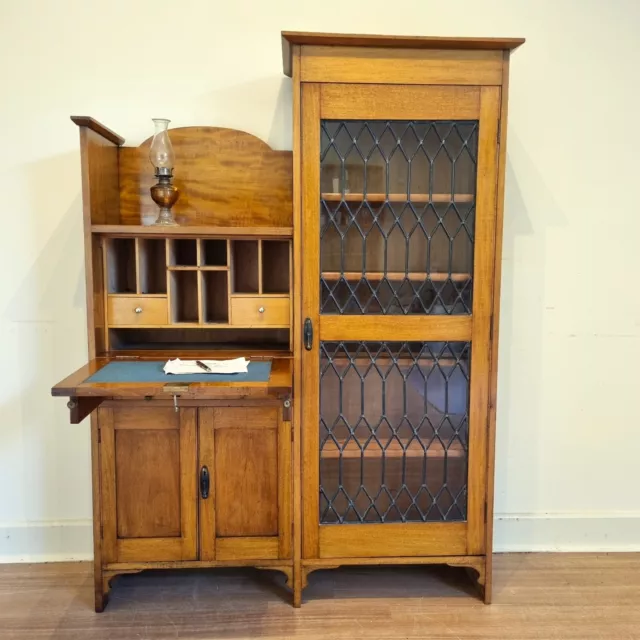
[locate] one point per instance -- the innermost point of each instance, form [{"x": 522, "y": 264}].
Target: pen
[{"x": 202, "y": 365}]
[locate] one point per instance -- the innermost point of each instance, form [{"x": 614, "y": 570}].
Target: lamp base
[
  {"x": 165, "y": 219},
  {"x": 165, "y": 195}
]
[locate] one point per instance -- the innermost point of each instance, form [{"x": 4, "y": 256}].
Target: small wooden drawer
[
  {"x": 142, "y": 310},
  {"x": 260, "y": 311}
]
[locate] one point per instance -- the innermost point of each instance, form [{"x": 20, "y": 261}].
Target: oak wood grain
[
  {"x": 371, "y": 540},
  {"x": 285, "y": 484},
  {"x": 377, "y": 65},
  {"x": 246, "y": 311},
  {"x": 482, "y": 310},
  {"x": 148, "y": 484},
  {"x": 291, "y": 39},
  {"x": 226, "y": 178},
  {"x": 80, "y": 408},
  {"x": 148, "y": 504},
  {"x": 379, "y": 101},
  {"x": 206, "y": 506},
  {"x": 99, "y": 599},
  {"x": 296, "y": 331},
  {"x": 246, "y": 475},
  {"x": 100, "y": 202},
  {"x": 310, "y": 361},
  {"x": 99, "y": 128},
  {"x": 246, "y": 548},
  {"x": 414, "y": 327},
  {"x": 192, "y": 230},
  {"x": 121, "y": 310},
  {"x": 495, "y": 327}
]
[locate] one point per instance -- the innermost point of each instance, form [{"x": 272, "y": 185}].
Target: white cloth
[{"x": 177, "y": 366}]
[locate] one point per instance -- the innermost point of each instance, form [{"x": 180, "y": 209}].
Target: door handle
[
  {"x": 308, "y": 334},
  {"x": 204, "y": 483}
]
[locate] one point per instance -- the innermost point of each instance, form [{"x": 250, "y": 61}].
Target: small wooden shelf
[
  {"x": 439, "y": 198},
  {"x": 393, "y": 450},
  {"x": 267, "y": 296},
  {"x": 195, "y": 325},
  {"x": 136, "y": 296},
  {"x": 395, "y": 275},
  {"x": 194, "y": 231}
]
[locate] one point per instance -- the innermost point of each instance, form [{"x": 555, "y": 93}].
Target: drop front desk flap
[{"x": 117, "y": 379}]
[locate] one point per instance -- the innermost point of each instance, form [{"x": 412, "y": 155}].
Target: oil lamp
[{"x": 164, "y": 194}]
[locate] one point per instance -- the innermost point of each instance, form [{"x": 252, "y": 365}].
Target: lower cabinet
[
  {"x": 246, "y": 453},
  {"x": 200, "y": 483}
]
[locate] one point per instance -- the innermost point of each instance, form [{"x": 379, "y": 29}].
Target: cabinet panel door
[
  {"x": 246, "y": 481},
  {"x": 148, "y": 460},
  {"x": 399, "y": 205},
  {"x": 246, "y": 451}
]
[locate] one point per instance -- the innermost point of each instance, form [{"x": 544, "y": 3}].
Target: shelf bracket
[{"x": 80, "y": 408}]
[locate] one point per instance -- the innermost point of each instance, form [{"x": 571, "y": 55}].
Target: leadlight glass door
[{"x": 398, "y": 207}]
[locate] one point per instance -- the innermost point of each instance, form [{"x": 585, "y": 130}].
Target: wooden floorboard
[{"x": 536, "y": 596}]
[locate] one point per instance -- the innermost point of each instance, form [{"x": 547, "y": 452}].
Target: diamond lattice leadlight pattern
[
  {"x": 397, "y": 216},
  {"x": 393, "y": 431}
]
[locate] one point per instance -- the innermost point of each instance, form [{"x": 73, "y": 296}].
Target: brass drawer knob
[
  {"x": 138, "y": 309},
  {"x": 261, "y": 310}
]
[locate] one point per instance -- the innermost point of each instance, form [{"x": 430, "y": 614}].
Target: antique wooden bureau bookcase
[{"x": 359, "y": 273}]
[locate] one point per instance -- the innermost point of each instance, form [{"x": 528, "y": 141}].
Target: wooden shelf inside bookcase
[
  {"x": 395, "y": 449},
  {"x": 395, "y": 275},
  {"x": 193, "y": 231},
  {"x": 439, "y": 198}
]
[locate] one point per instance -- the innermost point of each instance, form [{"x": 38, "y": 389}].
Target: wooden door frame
[
  {"x": 320, "y": 101},
  {"x": 214, "y": 548},
  {"x": 184, "y": 547}
]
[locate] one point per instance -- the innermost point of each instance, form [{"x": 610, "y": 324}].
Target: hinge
[
  {"x": 286, "y": 408},
  {"x": 499, "y": 136},
  {"x": 486, "y": 510},
  {"x": 101, "y": 531},
  {"x": 99, "y": 434}
]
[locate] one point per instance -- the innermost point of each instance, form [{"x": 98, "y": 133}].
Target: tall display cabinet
[{"x": 399, "y": 154}]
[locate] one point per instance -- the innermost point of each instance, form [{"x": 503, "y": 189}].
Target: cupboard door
[
  {"x": 149, "y": 495},
  {"x": 245, "y": 453},
  {"x": 399, "y": 202}
]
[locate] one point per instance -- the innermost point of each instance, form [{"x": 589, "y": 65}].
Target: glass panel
[
  {"x": 397, "y": 216},
  {"x": 393, "y": 431}
]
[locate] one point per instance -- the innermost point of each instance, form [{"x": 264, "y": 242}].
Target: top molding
[
  {"x": 290, "y": 38},
  {"x": 99, "y": 128}
]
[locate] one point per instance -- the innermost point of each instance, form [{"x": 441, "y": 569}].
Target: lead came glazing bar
[
  {"x": 394, "y": 426},
  {"x": 397, "y": 216}
]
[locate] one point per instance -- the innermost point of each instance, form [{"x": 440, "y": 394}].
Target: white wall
[{"x": 568, "y": 419}]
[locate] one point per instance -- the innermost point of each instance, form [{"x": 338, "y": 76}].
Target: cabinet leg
[
  {"x": 488, "y": 579},
  {"x": 100, "y": 591},
  {"x": 477, "y": 573},
  {"x": 297, "y": 585}
]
